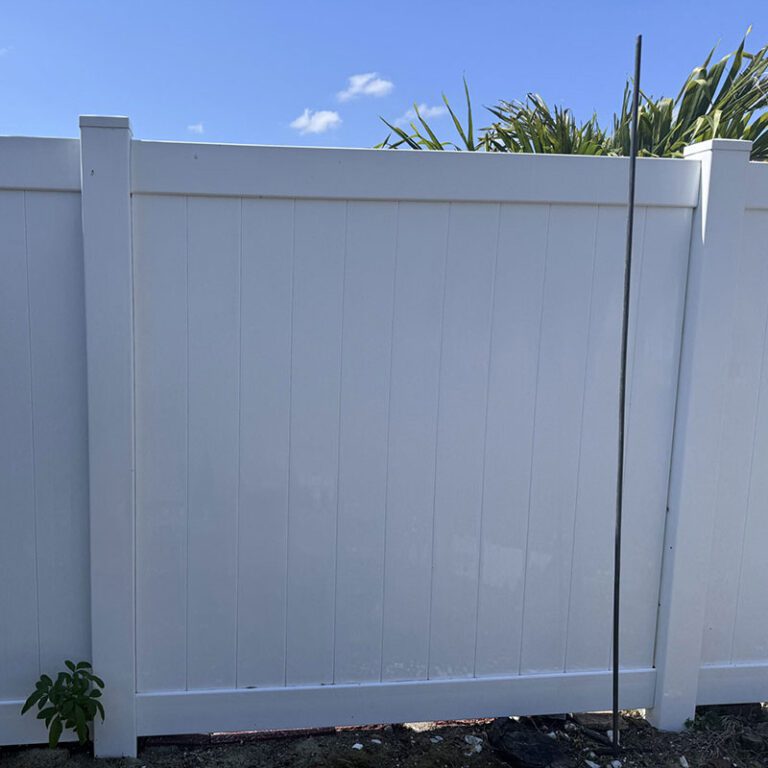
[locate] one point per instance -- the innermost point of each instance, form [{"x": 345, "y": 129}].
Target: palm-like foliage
[
  {"x": 422, "y": 136},
  {"x": 727, "y": 99},
  {"x": 530, "y": 126}
]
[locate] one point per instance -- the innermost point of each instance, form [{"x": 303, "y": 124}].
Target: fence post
[
  {"x": 105, "y": 151},
  {"x": 716, "y": 241}
]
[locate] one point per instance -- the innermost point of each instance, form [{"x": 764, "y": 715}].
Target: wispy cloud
[
  {"x": 5, "y": 51},
  {"x": 196, "y": 128},
  {"x": 367, "y": 84},
  {"x": 426, "y": 112},
  {"x": 320, "y": 121}
]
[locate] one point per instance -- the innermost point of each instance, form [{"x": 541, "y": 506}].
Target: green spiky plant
[
  {"x": 530, "y": 126},
  {"x": 422, "y": 136},
  {"x": 725, "y": 99}
]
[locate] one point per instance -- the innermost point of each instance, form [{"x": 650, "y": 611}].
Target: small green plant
[{"x": 71, "y": 702}]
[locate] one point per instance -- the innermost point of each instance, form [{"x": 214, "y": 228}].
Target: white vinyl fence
[
  {"x": 349, "y": 447},
  {"x": 44, "y": 570}
]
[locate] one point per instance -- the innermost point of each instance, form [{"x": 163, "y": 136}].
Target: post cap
[
  {"x": 104, "y": 121},
  {"x": 718, "y": 145}
]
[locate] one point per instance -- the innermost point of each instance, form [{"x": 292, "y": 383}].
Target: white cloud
[
  {"x": 368, "y": 84},
  {"x": 196, "y": 128},
  {"x": 320, "y": 121},
  {"x": 426, "y": 112},
  {"x": 5, "y": 51}
]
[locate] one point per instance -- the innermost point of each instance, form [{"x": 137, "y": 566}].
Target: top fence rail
[
  {"x": 217, "y": 170},
  {"x": 40, "y": 164},
  {"x": 364, "y": 174}
]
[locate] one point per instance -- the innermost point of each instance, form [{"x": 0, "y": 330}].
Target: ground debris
[
  {"x": 715, "y": 739},
  {"x": 597, "y": 721},
  {"x": 526, "y": 747},
  {"x": 475, "y": 744}
]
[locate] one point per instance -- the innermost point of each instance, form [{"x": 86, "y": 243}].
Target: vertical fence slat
[
  {"x": 320, "y": 229},
  {"x": 368, "y": 289},
  {"x": 213, "y": 253},
  {"x": 423, "y": 229},
  {"x": 19, "y": 646},
  {"x": 554, "y": 472},
  {"x": 264, "y": 445},
  {"x": 651, "y": 413},
  {"x": 57, "y": 333},
  {"x": 589, "y": 611},
  {"x": 472, "y": 241},
  {"x": 160, "y": 274},
  {"x": 511, "y": 395}
]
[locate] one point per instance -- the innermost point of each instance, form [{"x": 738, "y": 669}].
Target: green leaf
[
  {"x": 434, "y": 139},
  {"x": 63, "y": 677},
  {"x": 404, "y": 138},
  {"x": 82, "y": 732},
  {"x": 470, "y": 129},
  {"x": 46, "y": 714},
  {"x": 31, "y": 701},
  {"x": 79, "y": 716},
  {"x": 54, "y": 733},
  {"x": 456, "y": 122}
]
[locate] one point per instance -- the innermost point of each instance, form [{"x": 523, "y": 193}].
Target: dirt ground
[{"x": 719, "y": 738}]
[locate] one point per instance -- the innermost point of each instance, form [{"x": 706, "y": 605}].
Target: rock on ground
[{"x": 524, "y": 747}]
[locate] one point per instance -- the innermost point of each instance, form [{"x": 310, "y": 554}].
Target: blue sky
[{"x": 237, "y": 71}]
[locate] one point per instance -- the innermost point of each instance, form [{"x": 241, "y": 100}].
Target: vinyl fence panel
[
  {"x": 299, "y": 437},
  {"x": 392, "y": 411},
  {"x": 44, "y": 553}
]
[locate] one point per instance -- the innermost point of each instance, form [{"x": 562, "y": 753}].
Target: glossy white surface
[
  {"x": 109, "y": 312},
  {"x": 736, "y": 622},
  {"x": 44, "y": 560},
  {"x": 374, "y": 432},
  {"x": 426, "y": 490},
  {"x": 231, "y": 170},
  {"x": 716, "y": 242},
  {"x": 322, "y": 705}
]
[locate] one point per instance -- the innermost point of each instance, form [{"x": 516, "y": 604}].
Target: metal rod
[{"x": 623, "y": 393}]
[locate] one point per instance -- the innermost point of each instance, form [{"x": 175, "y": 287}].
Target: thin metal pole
[{"x": 623, "y": 394}]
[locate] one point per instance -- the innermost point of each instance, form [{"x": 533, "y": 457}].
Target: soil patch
[{"x": 718, "y": 738}]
